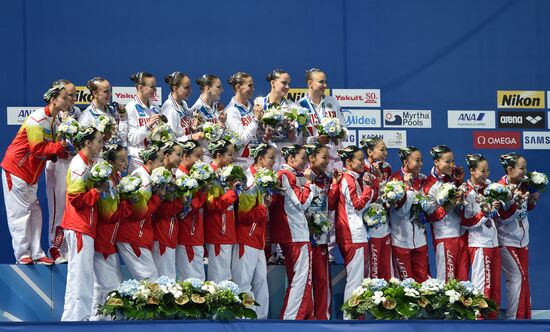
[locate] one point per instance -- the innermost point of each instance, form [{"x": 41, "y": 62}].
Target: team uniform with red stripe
[
  {"x": 289, "y": 228},
  {"x": 209, "y": 114},
  {"x": 22, "y": 165},
  {"x": 380, "y": 248},
  {"x": 138, "y": 115},
  {"x": 450, "y": 239},
  {"x": 135, "y": 234},
  {"x": 190, "y": 248},
  {"x": 513, "y": 237},
  {"x": 241, "y": 120},
  {"x": 327, "y": 108},
  {"x": 56, "y": 189},
  {"x": 351, "y": 233},
  {"x": 248, "y": 266},
  {"x": 408, "y": 233},
  {"x": 107, "y": 273},
  {"x": 79, "y": 223},
  {"x": 324, "y": 200},
  {"x": 482, "y": 244},
  {"x": 219, "y": 223},
  {"x": 179, "y": 118},
  {"x": 165, "y": 237}
]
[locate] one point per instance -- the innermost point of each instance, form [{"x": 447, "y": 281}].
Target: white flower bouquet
[
  {"x": 393, "y": 192},
  {"x": 129, "y": 186},
  {"x": 202, "y": 172},
  {"x": 537, "y": 181},
  {"x": 212, "y": 131},
  {"x": 161, "y": 134},
  {"x": 105, "y": 124},
  {"x": 332, "y": 128},
  {"x": 375, "y": 215},
  {"x": 100, "y": 172}
]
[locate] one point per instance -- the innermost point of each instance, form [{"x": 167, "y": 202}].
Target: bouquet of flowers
[
  {"x": 161, "y": 178},
  {"x": 166, "y": 298},
  {"x": 100, "y": 172},
  {"x": 212, "y": 131},
  {"x": 161, "y": 134},
  {"x": 446, "y": 193},
  {"x": 496, "y": 192},
  {"x": 129, "y": 186},
  {"x": 375, "y": 215},
  {"x": 299, "y": 116},
  {"x": 420, "y": 205},
  {"x": 186, "y": 186},
  {"x": 273, "y": 117},
  {"x": 393, "y": 192},
  {"x": 231, "y": 173},
  {"x": 407, "y": 299},
  {"x": 332, "y": 128},
  {"x": 318, "y": 223},
  {"x": 202, "y": 172},
  {"x": 68, "y": 128},
  {"x": 537, "y": 181},
  {"x": 267, "y": 181},
  {"x": 233, "y": 138},
  {"x": 105, "y": 124}
]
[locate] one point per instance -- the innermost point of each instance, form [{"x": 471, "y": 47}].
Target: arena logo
[
  {"x": 83, "y": 95},
  {"x": 497, "y": 140},
  {"x": 297, "y": 94},
  {"x": 536, "y": 140},
  {"x": 16, "y": 115},
  {"x": 124, "y": 95},
  {"x": 407, "y": 119},
  {"x": 518, "y": 119},
  {"x": 394, "y": 139},
  {"x": 362, "y": 118},
  {"x": 357, "y": 97},
  {"x": 471, "y": 119},
  {"x": 520, "y": 99}
]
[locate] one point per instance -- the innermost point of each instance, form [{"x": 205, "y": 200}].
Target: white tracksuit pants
[
  {"x": 142, "y": 267},
  {"x": 24, "y": 217},
  {"x": 189, "y": 262},
  {"x": 80, "y": 278},
  {"x": 249, "y": 272},
  {"x": 107, "y": 277},
  {"x": 219, "y": 266},
  {"x": 165, "y": 262},
  {"x": 56, "y": 190}
]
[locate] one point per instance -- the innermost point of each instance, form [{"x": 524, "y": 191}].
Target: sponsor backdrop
[{"x": 420, "y": 73}]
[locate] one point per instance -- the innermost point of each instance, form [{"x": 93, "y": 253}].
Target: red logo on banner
[{"x": 497, "y": 140}]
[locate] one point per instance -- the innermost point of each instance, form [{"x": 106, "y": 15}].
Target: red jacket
[
  {"x": 34, "y": 144},
  {"x": 219, "y": 219},
  {"x": 80, "y": 207},
  {"x": 191, "y": 227},
  {"x": 109, "y": 220},
  {"x": 137, "y": 229}
]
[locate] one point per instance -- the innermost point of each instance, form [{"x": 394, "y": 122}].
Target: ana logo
[
  {"x": 17, "y": 115},
  {"x": 496, "y": 140},
  {"x": 521, "y": 119},
  {"x": 391, "y": 119},
  {"x": 520, "y": 99},
  {"x": 471, "y": 119},
  {"x": 471, "y": 116}
]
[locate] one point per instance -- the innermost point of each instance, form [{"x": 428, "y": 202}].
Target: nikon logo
[{"x": 520, "y": 99}]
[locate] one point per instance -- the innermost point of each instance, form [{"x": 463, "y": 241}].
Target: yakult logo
[
  {"x": 123, "y": 95},
  {"x": 357, "y": 97}
]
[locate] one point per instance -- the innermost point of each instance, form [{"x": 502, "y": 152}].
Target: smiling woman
[{"x": 23, "y": 163}]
